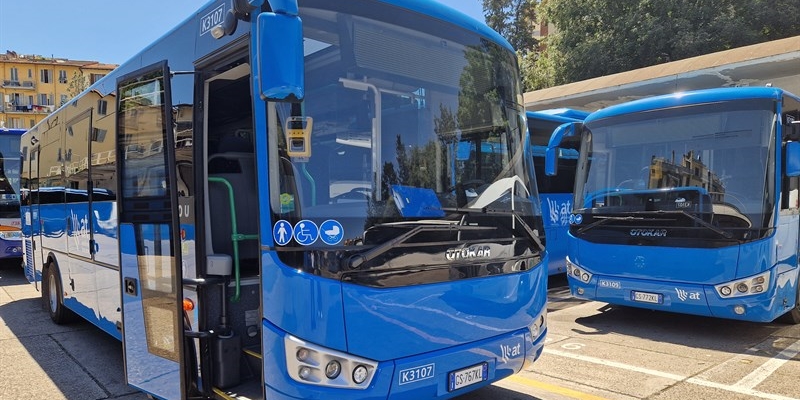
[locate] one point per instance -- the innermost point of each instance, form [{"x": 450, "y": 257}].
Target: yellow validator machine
[{"x": 298, "y": 136}]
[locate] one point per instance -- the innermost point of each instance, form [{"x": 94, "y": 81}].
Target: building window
[
  {"x": 31, "y": 123},
  {"x": 62, "y": 76},
  {"x": 102, "y": 107},
  {"x": 43, "y": 100},
  {"x": 64, "y": 99},
  {"x": 45, "y": 76},
  {"x": 30, "y": 73},
  {"x": 94, "y": 78},
  {"x": 14, "y": 74}
]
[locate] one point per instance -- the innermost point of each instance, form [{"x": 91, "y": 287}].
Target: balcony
[
  {"x": 27, "y": 108},
  {"x": 12, "y": 84}
]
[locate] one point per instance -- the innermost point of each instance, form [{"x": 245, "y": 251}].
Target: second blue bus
[{"x": 689, "y": 203}]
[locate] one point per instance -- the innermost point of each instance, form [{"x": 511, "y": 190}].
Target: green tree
[
  {"x": 77, "y": 84},
  {"x": 601, "y": 37},
  {"x": 516, "y": 21}
]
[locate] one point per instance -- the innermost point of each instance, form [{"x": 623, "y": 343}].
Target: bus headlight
[
  {"x": 360, "y": 374},
  {"x": 317, "y": 365},
  {"x": 744, "y": 287},
  {"x": 578, "y": 273},
  {"x": 11, "y": 235}
]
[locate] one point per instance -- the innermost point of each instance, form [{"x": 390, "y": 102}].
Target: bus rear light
[
  {"x": 745, "y": 287},
  {"x": 188, "y": 305}
]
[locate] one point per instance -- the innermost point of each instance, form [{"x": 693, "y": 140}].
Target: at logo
[{"x": 684, "y": 295}]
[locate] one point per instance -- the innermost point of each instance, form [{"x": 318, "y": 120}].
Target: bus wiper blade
[
  {"x": 603, "y": 219},
  {"x": 726, "y": 235},
  {"x": 528, "y": 231},
  {"x": 356, "y": 260}
]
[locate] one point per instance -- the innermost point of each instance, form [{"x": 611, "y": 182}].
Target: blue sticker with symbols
[
  {"x": 282, "y": 232},
  {"x": 331, "y": 232},
  {"x": 306, "y": 232}
]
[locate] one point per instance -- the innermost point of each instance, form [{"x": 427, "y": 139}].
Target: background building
[{"x": 31, "y": 87}]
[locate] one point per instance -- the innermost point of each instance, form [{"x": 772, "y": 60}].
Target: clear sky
[{"x": 108, "y": 31}]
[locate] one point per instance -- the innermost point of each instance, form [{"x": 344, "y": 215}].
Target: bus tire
[
  {"x": 53, "y": 294},
  {"x": 793, "y": 316}
]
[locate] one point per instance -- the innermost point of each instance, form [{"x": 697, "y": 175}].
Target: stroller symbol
[{"x": 332, "y": 232}]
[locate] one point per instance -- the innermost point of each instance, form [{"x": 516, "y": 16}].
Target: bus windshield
[
  {"x": 399, "y": 124},
  {"x": 707, "y": 159},
  {"x": 9, "y": 179}
]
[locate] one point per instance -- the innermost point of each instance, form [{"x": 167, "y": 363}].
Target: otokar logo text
[
  {"x": 467, "y": 253},
  {"x": 649, "y": 232}
]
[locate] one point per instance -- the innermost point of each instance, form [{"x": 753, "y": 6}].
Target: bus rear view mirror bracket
[{"x": 551, "y": 153}]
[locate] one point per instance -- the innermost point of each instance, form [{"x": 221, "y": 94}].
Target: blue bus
[
  {"x": 555, "y": 192},
  {"x": 272, "y": 201},
  {"x": 689, "y": 203},
  {"x": 10, "y": 235}
]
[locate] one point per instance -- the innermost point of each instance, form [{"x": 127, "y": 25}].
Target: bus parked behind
[
  {"x": 689, "y": 203},
  {"x": 10, "y": 235},
  {"x": 555, "y": 192}
]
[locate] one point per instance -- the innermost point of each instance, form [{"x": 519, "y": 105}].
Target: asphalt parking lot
[{"x": 593, "y": 351}]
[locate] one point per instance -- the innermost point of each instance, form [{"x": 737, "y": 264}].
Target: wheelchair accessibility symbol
[
  {"x": 306, "y": 232},
  {"x": 331, "y": 232}
]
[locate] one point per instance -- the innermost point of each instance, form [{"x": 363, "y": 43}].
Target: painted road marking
[
  {"x": 765, "y": 370},
  {"x": 553, "y": 388},
  {"x": 696, "y": 381}
]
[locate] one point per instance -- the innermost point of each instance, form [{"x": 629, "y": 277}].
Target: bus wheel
[
  {"x": 54, "y": 297},
  {"x": 793, "y": 316}
]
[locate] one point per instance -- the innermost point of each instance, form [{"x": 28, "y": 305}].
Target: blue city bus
[
  {"x": 555, "y": 192},
  {"x": 10, "y": 235},
  {"x": 272, "y": 201},
  {"x": 689, "y": 203}
]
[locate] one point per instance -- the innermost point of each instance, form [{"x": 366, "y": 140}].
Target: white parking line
[
  {"x": 749, "y": 391},
  {"x": 765, "y": 370}
]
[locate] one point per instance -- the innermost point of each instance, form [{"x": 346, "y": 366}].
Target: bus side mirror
[
  {"x": 793, "y": 159},
  {"x": 551, "y": 154},
  {"x": 279, "y": 58}
]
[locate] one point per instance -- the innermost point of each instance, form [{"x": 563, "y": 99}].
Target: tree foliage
[
  {"x": 516, "y": 21},
  {"x": 601, "y": 37},
  {"x": 77, "y": 84}
]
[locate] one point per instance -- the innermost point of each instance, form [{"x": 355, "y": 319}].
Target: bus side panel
[{"x": 556, "y": 209}]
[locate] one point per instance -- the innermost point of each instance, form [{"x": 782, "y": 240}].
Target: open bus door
[
  {"x": 29, "y": 205},
  {"x": 149, "y": 235}
]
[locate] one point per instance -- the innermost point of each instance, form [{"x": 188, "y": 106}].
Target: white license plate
[
  {"x": 645, "y": 297},
  {"x": 467, "y": 376}
]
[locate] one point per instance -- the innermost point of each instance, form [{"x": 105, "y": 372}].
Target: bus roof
[
  {"x": 12, "y": 131},
  {"x": 691, "y": 97},
  {"x": 558, "y": 114}
]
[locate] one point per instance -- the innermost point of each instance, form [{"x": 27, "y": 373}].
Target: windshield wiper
[
  {"x": 528, "y": 231},
  {"x": 726, "y": 235},
  {"x": 356, "y": 260},
  {"x": 603, "y": 219}
]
